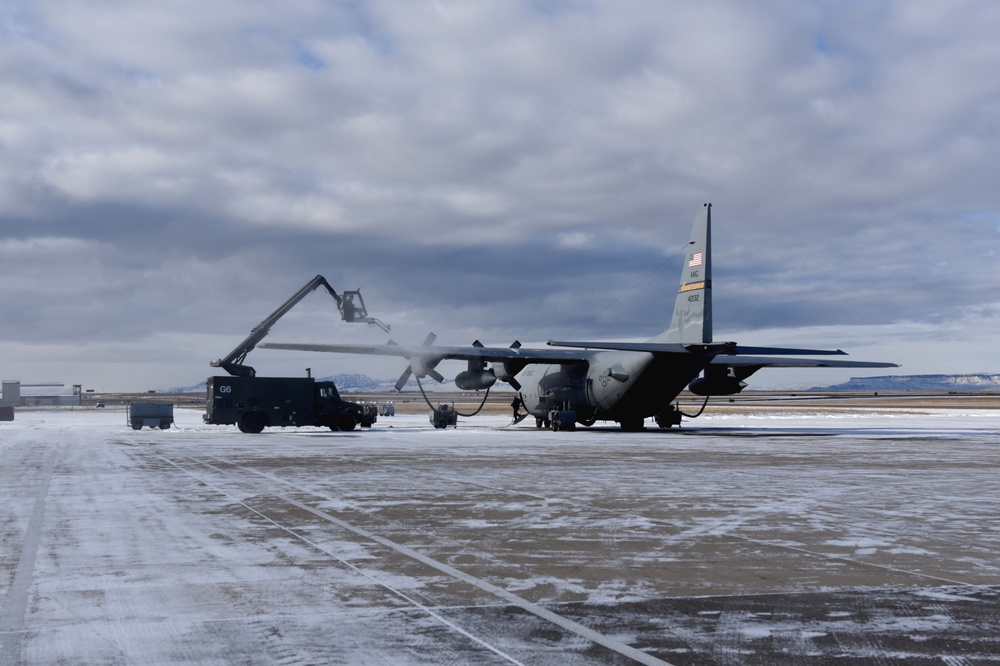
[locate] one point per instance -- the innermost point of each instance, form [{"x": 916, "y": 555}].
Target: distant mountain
[
  {"x": 974, "y": 382},
  {"x": 353, "y": 383}
]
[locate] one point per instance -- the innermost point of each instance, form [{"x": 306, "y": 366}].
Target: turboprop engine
[
  {"x": 506, "y": 370},
  {"x": 722, "y": 380},
  {"x": 717, "y": 385},
  {"x": 475, "y": 380}
]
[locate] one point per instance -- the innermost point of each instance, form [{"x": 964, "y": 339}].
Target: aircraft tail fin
[{"x": 692, "y": 318}]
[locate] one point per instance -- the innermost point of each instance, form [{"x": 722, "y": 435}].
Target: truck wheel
[
  {"x": 252, "y": 422},
  {"x": 346, "y": 422},
  {"x": 164, "y": 425},
  {"x": 136, "y": 425}
]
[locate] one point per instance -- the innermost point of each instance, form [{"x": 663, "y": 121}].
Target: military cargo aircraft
[{"x": 585, "y": 381}]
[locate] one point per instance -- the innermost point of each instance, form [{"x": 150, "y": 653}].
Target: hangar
[{"x": 16, "y": 394}]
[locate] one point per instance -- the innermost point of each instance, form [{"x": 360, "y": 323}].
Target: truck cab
[{"x": 331, "y": 411}]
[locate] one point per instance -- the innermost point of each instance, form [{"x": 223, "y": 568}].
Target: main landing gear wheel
[
  {"x": 668, "y": 419},
  {"x": 632, "y": 424}
]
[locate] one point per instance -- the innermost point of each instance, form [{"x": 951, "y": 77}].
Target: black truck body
[{"x": 254, "y": 403}]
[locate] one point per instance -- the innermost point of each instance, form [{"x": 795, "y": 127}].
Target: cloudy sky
[{"x": 171, "y": 172}]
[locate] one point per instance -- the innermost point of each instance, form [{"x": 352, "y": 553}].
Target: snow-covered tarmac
[{"x": 849, "y": 538}]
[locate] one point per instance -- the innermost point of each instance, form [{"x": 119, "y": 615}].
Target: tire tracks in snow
[
  {"x": 15, "y": 603},
  {"x": 720, "y": 526},
  {"x": 485, "y": 586}
]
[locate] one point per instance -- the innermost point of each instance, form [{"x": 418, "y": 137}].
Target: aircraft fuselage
[{"x": 611, "y": 385}]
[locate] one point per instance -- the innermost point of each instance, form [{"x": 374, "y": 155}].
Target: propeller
[
  {"x": 420, "y": 367},
  {"x": 505, "y": 371},
  {"x": 513, "y": 382},
  {"x": 502, "y": 369}
]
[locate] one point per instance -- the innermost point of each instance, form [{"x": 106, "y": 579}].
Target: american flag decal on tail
[{"x": 695, "y": 260}]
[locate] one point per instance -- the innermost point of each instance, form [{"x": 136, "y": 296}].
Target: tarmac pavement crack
[
  {"x": 726, "y": 526},
  {"x": 512, "y": 599},
  {"x": 358, "y": 570}
]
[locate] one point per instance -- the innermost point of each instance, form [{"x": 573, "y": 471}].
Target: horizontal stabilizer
[
  {"x": 727, "y": 348},
  {"x": 778, "y": 362},
  {"x": 767, "y": 351}
]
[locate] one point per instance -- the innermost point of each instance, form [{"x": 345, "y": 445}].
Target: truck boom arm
[{"x": 351, "y": 306}]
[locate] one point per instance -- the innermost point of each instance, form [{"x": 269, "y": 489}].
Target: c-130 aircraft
[{"x": 613, "y": 381}]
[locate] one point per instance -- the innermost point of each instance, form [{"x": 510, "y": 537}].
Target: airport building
[{"x": 16, "y": 394}]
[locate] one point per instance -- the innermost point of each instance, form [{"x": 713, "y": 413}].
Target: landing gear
[
  {"x": 669, "y": 418},
  {"x": 632, "y": 424}
]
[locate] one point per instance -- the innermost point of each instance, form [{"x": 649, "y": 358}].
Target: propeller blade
[
  {"x": 403, "y": 378},
  {"x": 516, "y": 385}
]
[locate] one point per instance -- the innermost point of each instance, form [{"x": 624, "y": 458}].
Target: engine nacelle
[
  {"x": 707, "y": 386},
  {"x": 475, "y": 380},
  {"x": 505, "y": 370}
]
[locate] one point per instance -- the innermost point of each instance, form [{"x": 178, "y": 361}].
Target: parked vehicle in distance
[{"x": 153, "y": 414}]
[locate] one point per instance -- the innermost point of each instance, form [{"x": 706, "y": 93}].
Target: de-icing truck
[{"x": 253, "y": 403}]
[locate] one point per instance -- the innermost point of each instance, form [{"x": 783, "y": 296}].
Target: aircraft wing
[
  {"x": 424, "y": 359},
  {"x": 778, "y": 362},
  {"x": 729, "y": 348},
  {"x": 433, "y": 354},
  {"x": 437, "y": 353}
]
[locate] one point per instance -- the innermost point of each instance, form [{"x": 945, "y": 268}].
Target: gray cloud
[{"x": 490, "y": 170}]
